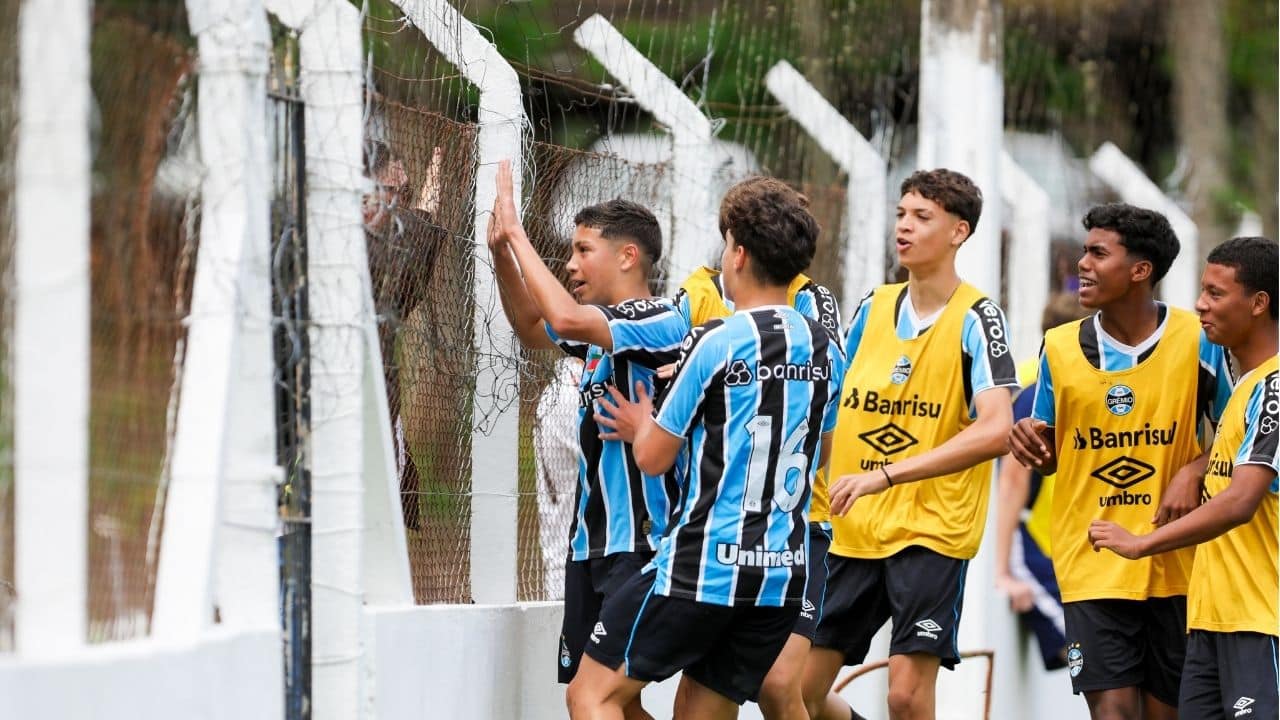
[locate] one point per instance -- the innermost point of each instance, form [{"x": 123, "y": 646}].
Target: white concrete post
[
  {"x": 961, "y": 127},
  {"x": 494, "y": 458},
  {"x": 1182, "y": 285},
  {"x": 694, "y": 229},
  {"x": 866, "y": 193},
  {"x": 1028, "y": 255},
  {"x": 221, "y": 498},
  {"x": 962, "y": 116},
  {"x": 51, "y": 327}
]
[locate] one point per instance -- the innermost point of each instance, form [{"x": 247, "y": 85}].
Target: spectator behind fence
[{"x": 555, "y": 442}]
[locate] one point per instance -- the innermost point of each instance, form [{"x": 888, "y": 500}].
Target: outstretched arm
[
  {"x": 981, "y": 441},
  {"x": 1013, "y": 489},
  {"x": 566, "y": 317},
  {"x": 1233, "y": 506},
  {"x": 519, "y": 308}
]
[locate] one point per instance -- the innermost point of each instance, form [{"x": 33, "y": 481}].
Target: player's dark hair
[
  {"x": 772, "y": 223},
  {"x": 1255, "y": 260},
  {"x": 1061, "y": 309},
  {"x": 1144, "y": 233},
  {"x": 624, "y": 221},
  {"x": 956, "y": 193}
]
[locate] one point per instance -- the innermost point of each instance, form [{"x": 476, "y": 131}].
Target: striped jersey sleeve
[
  {"x": 701, "y": 361},
  {"x": 1043, "y": 408},
  {"x": 1214, "y": 382},
  {"x": 1262, "y": 426},
  {"x": 572, "y": 348},
  {"x": 858, "y": 325},
  {"x": 987, "y": 356},
  {"x": 646, "y": 332}
]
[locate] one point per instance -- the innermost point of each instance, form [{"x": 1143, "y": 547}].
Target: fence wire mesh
[{"x": 143, "y": 219}]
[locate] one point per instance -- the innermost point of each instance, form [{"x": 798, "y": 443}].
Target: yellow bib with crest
[
  {"x": 902, "y": 398},
  {"x": 1121, "y": 436},
  {"x": 1235, "y": 580},
  {"x": 706, "y": 302}
]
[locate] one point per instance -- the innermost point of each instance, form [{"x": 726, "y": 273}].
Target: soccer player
[
  {"x": 701, "y": 299},
  {"x": 925, "y": 408},
  {"x": 619, "y": 332},
  {"x": 752, "y": 394},
  {"x": 1117, "y": 409},
  {"x": 1230, "y": 669}
]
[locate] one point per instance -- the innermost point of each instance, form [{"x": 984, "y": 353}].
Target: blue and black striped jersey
[
  {"x": 753, "y": 394},
  {"x": 619, "y": 508}
]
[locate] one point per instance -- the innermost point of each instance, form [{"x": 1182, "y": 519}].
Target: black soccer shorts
[
  {"x": 1229, "y": 675},
  {"x": 587, "y": 584},
  {"x": 919, "y": 589},
  {"x": 815, "y": 587},
  {"x": 728, "y": 649},
  {"x": 1127, "y": 643}
]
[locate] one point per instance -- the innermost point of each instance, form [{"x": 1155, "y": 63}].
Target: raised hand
[{"x": 429, "y": 195}]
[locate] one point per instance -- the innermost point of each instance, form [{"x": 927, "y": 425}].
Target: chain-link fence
[
  {"x": 144, "y": 211},
  {"x": 8, "y": 124}
]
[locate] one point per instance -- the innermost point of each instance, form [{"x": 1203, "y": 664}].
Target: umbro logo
[
  {"x": 1124, "y": 472},
  {"x": 928, "y": 629},
  {"x": 888, "y": 439},
  {"x": 807, "y": 609},
  {"x": 597, "y": 633},
  {"x": 1242, "y": 706}
]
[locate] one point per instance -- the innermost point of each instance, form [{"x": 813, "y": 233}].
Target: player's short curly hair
[
  {"x": 1144, "y": 233},
  {"x": 1255, "y": 260},
  {"x": 956, "y": 193},
  {"x": 772, "y": 222},
  {"x": 623, "y": 220}
]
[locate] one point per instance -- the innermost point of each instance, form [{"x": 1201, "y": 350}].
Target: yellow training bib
[
  {"x": 1120, "y": 436},
  {"x": 1235, "y": 581},
  {"x": 902, "y": 398}
]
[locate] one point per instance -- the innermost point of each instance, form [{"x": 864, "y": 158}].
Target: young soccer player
[
  {"x": 752, "y": 394},
  {"x": 925, "y": 408},
  {"x": 1118, "y": 403},
  {"x": 1230, "y": 669},
  {"x": 701, "y": 299},
  {"x": 621, "y": 334}
]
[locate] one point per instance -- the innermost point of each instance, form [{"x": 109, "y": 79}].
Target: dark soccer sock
[{"x": 853, "y": 714}]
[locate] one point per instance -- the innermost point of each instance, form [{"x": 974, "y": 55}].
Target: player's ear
[
  {"x": 960, "y": 233},
  {"x": 628, "y": 256},
  {"x": 1260, "y": 304},
  {"x": 1140, "y": 271}
]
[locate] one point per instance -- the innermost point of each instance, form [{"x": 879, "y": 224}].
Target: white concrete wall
[
  {"x": 231, "y": 676},
  {"x": 498, "y": 662}
]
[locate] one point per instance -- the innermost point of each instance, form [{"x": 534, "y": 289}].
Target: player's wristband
[{"x": 886, "y": 476}]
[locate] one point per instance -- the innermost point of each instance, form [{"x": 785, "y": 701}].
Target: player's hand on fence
[
  {"x": 1021, "y": 595},
  {"x": 1027, "y": 443},
  {"x": 1105, "y": 534},
  {"x": 1181, "y": 497},
  {"x": 848, "y": 488},
  {"x": 505, "y": 215},
  {"x": 429, "y": 195},
  {"x": 622, "y": 417}
]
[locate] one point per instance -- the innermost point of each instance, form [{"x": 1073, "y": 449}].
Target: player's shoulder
[{"x": 643, "y": 308}]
